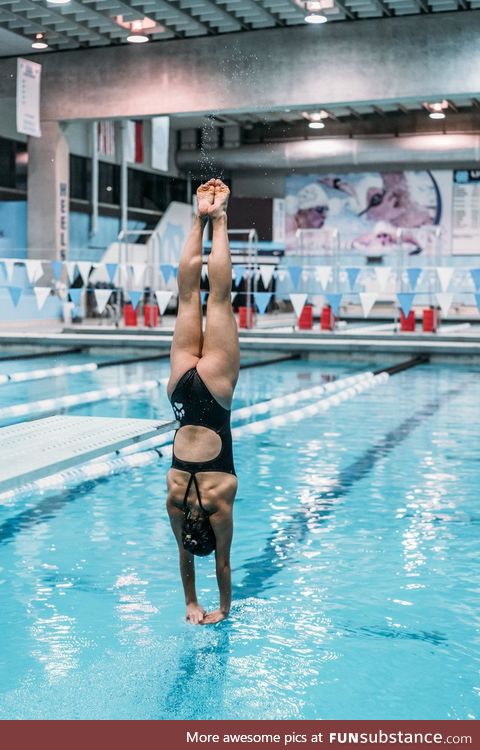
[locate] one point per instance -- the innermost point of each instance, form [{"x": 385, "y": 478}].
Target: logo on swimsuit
[{"x": 178, "y": 410}]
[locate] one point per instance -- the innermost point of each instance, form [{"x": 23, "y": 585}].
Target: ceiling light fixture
[
  {"x": 313, "y": 9},
  {"x": 58, "y": 2},
  {"x": 40, "y": 41},
  {"x": 137, "y": 35},
  {"x": 436, "y": 109},
  {"x": 315, "y": 119}
]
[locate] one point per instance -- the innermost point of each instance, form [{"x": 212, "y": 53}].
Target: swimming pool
[{"x": 354, "y": 563}]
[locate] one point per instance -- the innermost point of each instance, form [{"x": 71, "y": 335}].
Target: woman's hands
[
  {"x": 213, "y": 617},
  {"x": 195, "y": 613}
]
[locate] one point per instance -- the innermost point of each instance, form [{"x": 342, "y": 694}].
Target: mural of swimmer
[
  {"x": 367, "y": 209},
  {"x": 383, "y": 239}
]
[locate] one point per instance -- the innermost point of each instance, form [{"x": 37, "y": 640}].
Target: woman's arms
[
  {"x": 195, "y": 612},
  {"x": 222, "y": 524}
]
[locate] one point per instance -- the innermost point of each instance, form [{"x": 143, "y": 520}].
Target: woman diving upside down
[{"x": 202, "y": 483}]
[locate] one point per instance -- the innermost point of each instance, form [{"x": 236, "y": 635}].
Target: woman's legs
[
  {"x": 188, "y": 337},
  {"x": 220, "y": 361}
]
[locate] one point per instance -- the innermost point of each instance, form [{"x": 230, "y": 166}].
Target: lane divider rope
[
  {"x": 46, "y": 406},
  {"x": 110, "y": 465}
]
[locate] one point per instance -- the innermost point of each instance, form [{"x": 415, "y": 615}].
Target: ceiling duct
[{"x": 343, "y": 152}]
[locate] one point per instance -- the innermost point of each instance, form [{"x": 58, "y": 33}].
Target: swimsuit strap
[{"x": 193, "y": 479}]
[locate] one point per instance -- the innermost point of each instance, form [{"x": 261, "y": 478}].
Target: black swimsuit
[{"x": 193, "y": 404}]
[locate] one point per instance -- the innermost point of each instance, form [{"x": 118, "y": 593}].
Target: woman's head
[{"x": 198, "y": 536}]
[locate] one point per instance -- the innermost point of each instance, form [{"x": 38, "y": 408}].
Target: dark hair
[{"x": 198, "y": 536}]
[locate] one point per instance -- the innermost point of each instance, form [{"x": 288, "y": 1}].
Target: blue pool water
[{"x": 355, "y": 565}]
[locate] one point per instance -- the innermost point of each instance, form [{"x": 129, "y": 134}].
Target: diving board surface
[{"x": 33, "y": 450}]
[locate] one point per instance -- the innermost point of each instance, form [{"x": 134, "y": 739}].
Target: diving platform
[{"x": 33, "y": 450}]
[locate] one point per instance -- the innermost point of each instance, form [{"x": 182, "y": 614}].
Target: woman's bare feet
[
  {"x": 205, "y": 198},
  {"x": 212, "y": 199},
  {"x": 220, "y": 202}
]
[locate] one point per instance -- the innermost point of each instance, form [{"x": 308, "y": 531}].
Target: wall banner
[
  {"x": 28, "y": 97},
  {"x": 466, "y": 212},
  {"x": 160, "y": 143}
]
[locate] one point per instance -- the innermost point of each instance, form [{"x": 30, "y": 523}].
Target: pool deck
[{"x": 454, "y": 340}]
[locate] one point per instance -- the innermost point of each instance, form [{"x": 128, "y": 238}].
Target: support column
[{"x": 48, "y": 194}]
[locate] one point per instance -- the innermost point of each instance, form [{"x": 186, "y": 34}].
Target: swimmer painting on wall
[
  {"x": 384, "y": 239},
  {"x": 204, "y": 368},
  {"x": 367, "y": 209}
]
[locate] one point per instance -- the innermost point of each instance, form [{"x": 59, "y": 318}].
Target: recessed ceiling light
[
  {"x": 137, "y": 35},
  {"x": 316, "y": 125},
  {"x": 58, "y": 2},
  {"x": 315, "y": 18},
  {"x": 436, "y": 110},
  {"x": 40, "y": 41}
]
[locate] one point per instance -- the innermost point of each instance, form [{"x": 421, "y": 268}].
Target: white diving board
[{"x": 33, "y": 450}]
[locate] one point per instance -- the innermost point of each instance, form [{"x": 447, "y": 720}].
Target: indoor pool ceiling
[{"x": 95, "y": 23}]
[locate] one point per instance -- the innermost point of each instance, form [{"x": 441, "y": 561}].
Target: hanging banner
[
  {"x": 413, "y": 275},
  {"x": 106, "y": 138},
  {"x": 334, "y": 301},
  {"x": 163, "y": 298},
  {"x": 9, "y": 266},
  {"x": 352, "y": 274},
  {"x": 322, "y": 275},
  {"x": 383, "y": 275},
  {"x": 111, "y": 270},
  {"x": 84, "y": 267},
  {"x": 238, "y": 273},
  {"x": 41, "y": 294},
  {"x": 445, "y": 275},
  {"x": 405, "y": 300},
  {"x": 70, "y": 266},
  {"x": 15, "y": 294},
  {"x": 279, "y": 220},
  {"x": 134, "y": 142},
  {"x": 444, "y": 300},
  {"x": 166, "y": 271},
  {"x": 295, "y": 273},
  {"x": 367, "y": 300},
  {"x": 57, "y": 268},
  {"x": 475, "y": 273},
  {"x": 135, "y": 297},
  {"x": 298, "y": 302},
  {"x": 160, "y": 143},
  {"x": 75, "y": 295},
  {"x": 266, "y": 273},
  {"x": 28, "y": 97},
  {"x": 34, "y": 270},
  {"x": 101, "y": 298},
  {"x": 261, "y": 300}
]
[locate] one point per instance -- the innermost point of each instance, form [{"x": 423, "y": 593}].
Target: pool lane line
[
  {"x": 422, "y": 359},
  {"x": 49, "y": 406},
  {"x": 261, "y": 569},
  {"x": 103, "y": 468},
  {"x": 44, "y": 373},
  {"x": 276, "y": 360},
  {"x": 48, "y": 353},
  {"x": 123, "y": 460},
  {"x": 53, "y": 372}
]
